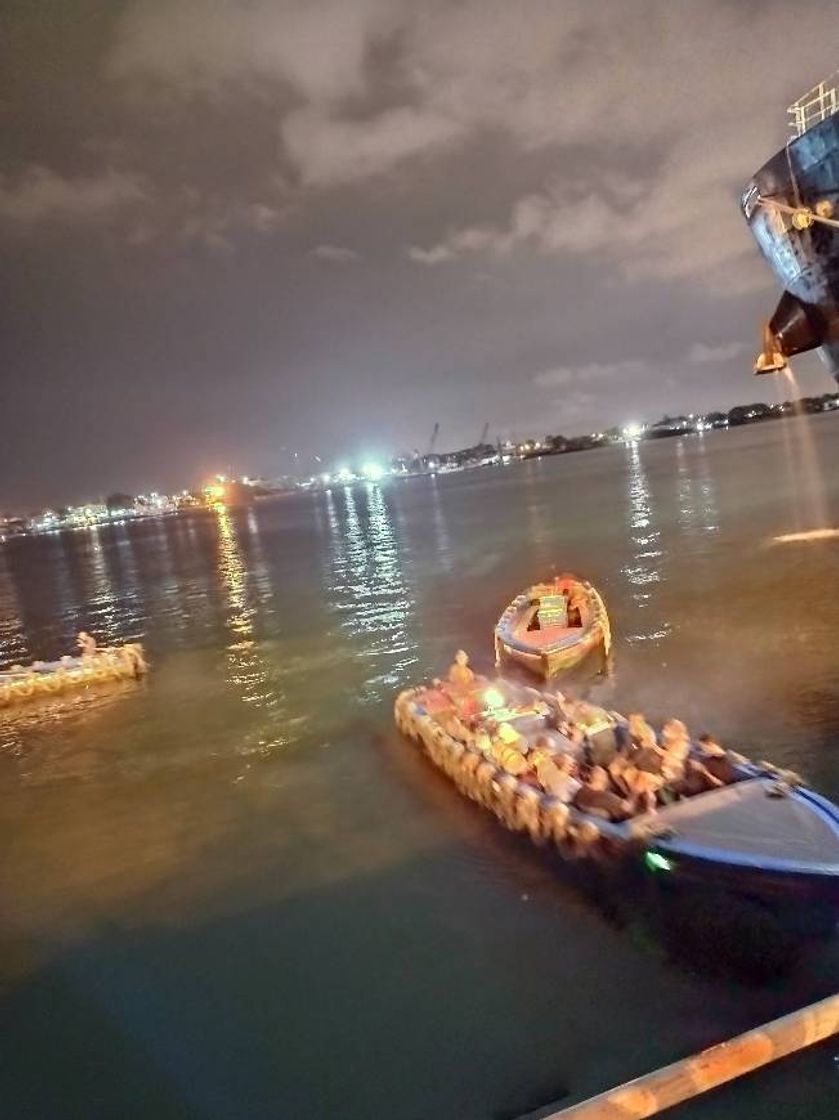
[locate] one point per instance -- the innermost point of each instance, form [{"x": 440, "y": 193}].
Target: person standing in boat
[
  {"x": 86, "y": 644},
  {"x": 460, "y": 676}
]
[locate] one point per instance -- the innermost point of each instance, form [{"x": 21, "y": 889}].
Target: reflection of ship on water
[{"x": 792, "y": 208}]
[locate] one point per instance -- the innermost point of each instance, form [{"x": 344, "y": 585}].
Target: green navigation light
[{"x": 657, "y": 862}]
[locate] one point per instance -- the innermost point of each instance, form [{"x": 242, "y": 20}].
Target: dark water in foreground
[{"x": 235, "y": 892}]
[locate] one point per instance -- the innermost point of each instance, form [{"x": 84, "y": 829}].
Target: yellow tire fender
[{"x": 25, "y": 688}]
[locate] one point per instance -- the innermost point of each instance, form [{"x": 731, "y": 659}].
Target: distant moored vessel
[{"x": 792, "y": 207}]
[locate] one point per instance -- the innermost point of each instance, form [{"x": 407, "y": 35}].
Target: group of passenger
[{"x": 623, "y": 771}]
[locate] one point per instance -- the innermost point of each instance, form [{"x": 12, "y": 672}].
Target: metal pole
[{"x": 654, "y": 1092}]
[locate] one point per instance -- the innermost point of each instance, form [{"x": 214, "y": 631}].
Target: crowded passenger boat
[
  {"x": 93, "y": 665},
  {"x": 553, "y": 626},
  {"x": 597, "y": 784}
]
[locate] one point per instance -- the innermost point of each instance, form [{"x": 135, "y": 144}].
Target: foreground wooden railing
[{"x": 651, "y": 1094}]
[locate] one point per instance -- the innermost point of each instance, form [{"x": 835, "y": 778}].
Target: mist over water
[{"x": 233, "y": 890}]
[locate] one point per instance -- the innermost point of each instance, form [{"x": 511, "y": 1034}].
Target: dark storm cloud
[{"x": 233, "y": 230}]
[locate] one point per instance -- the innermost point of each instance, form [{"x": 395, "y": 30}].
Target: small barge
[
  {"x": 552, "y": 627},
  {"x": 49, "y": 678}
]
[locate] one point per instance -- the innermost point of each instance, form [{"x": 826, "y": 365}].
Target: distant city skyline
[
  {"x": 357, "y": 467},
  {"x": 276, "y": 227}
]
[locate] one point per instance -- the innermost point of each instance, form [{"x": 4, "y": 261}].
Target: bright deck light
[
  {"x": 373, "y": 471},
  {"x": 633, "y": 431},
  {"x": 493, "y": 698}
]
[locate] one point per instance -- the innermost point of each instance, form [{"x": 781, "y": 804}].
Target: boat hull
[{"x": 805, "y": 261}]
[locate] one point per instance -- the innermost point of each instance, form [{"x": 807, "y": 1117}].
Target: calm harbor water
[{"x": 234, "y": 891}]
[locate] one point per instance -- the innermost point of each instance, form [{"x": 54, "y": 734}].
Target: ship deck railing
[{"x": 815, "y": 106}]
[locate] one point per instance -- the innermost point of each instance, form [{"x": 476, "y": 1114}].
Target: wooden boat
[
  {"x": 542, "y": 632},
  {"x": 765, "y": 835},
  {"x": 48, "y": 678}
]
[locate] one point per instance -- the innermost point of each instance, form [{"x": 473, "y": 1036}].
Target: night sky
[{"x": 234, "y": 230}]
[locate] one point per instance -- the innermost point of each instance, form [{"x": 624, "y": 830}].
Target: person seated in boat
[
  {"x": 557, "y": 775},
  {"x": 696, "y": 780},
  {"x": 132, "y": 659},
  {"x": 715, "y": 760},
  {"x": 675, "y": 745},
  {"x": 642, "y": 750},
  {"x": 510, "y": 753},
  {"x": 485, "y": 731},
  {"x": 86, "y": 644},
  {"x": 574, "y": 712},
  {"x": 460, "y": 676},
  {"x": 506, "y": 736},
  {"x": 640, "y": 787},
  {"x": 604, "y": 746},
  {"x": 576, "y": 736},
  {"x": 659, "y": 771},
  {"x": 553, "y": 707},
  {"x": 595, "y": 797},
  {"x": 534, "y": 623},
  {"x": 455, "y": 726},
  {"x": 639, "y": 731},
  {"x": 575, "y": 599}
]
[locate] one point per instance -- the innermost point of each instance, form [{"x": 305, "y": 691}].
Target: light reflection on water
[
  {"x": 697, "y": 495},
  {"x": 68, "y": 595},
  {"x": 129, "y": 602},
  {"x": 645, "y": 568},
  {"x": 101, "y": 600},
  {"x": 367, "y": 586},
  {"x": 540, "y": 507},
  {"x": 248, "y": 670},
  {"x": 809, "y": 487},
  {"x": 441, "y": 533},
  {"x": 13, "y": 647}
]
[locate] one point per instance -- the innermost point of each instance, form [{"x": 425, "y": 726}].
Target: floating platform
[{"x": 49, "y": 678}]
